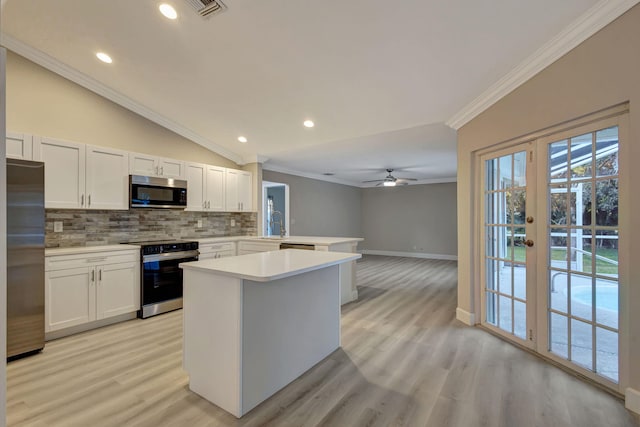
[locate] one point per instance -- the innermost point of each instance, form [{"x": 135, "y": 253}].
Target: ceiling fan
[{"x": 390, "y": 180}]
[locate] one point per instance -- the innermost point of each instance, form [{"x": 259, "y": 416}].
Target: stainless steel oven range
[{"x": 161, "y": 278}]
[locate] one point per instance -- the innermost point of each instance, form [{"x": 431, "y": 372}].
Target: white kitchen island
[{"x": 254, "y": 323}]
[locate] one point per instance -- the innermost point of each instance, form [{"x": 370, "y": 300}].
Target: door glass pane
[
  {"x": 558, "y": 332},
  {"x": 506, "y": 321},
  {"x": 606, "y": 208},
  {"x": 582, "y": 344},
  {"x": 581, "y": 296},
  {"x": 559, "y": 205},
  {"x": 492, "y": 308},
  {"x": 520, "y": 319},
  {"x": 581, "y": 156},
  {"x": 558, "y": 293},
  {"x": 607, "y": 303},
  {"x": 520, "y": 281},
  {"x": 606, "y": 252},
  {"x": 506, "y": 279},
  {"x": 607, "y": 148},
  {"x": 520, "y": 169},
  {"x": 581, "y": 202},
  {"x": 506, "y": 174},
  {"x": 607, "y": 354},
  {"x": 558, "y": 160}
]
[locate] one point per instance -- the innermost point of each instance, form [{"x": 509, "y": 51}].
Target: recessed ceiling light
[
  {"x": 168, "y": 11},
  {"x": 104, "y": 57},
  {"x": 242, "y": 139},
  {"x": 308, "y": 124}
]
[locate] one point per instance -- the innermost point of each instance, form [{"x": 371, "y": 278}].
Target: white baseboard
[
  {"x": 465, "y": 317},
  {"x": 88, "y": 326},
  {"x": 409, "y": 254},
  {"x": 632, "y": 400}
]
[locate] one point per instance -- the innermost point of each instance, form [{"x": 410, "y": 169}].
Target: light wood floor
[{"x": 405, "y": 361}]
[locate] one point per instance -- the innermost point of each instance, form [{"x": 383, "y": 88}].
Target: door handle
[{"x": 528, "y": 243}]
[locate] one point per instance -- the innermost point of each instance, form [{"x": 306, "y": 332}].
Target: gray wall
[
  {"x": 320, "y": 208},
  {"x": 414, "y": 218}
]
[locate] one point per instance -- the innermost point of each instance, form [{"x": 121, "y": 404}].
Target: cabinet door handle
[
  {"x": 162, "y": 170},
  {"x": 156, "y": 168},
  {"x": 89, "y": 200},
  {"x": 93, "y": 275},
  {"x": 82, "y": 200},
  {"x": 209, "y": 204},
  {"x": 100, "y": 275}
]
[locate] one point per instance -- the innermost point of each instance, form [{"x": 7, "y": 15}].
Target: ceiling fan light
[{"x": 389, "y": 183}]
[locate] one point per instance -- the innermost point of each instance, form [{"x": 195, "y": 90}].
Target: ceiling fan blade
[
  {"x": 378, "y": 184},
  {"x": 407, "y": 179},
  {"x": 401, "y": 183},
  {"x": 373, "y": 180}
]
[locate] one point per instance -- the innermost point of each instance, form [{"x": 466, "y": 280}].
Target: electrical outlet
[
  {"x": 57, "y": 226},
  {"x": 199, "y": 223},
  {"x": 233, "y": 222}
]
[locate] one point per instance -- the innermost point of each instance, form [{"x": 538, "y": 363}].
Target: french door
[{"x": 549, "y": 247}]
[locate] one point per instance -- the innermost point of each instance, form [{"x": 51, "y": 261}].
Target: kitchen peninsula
[{"x": 254, "y": 323}]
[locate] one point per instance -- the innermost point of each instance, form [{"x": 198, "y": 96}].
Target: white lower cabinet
[
  {"x": 82, "y": 288},
  {"x": 216, "y": 250}
]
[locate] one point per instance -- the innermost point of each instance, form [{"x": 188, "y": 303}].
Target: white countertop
[
  {"x": 305, "y": 240},
  {"x": 88, "y": 249},
  {"x": 267, "y": 266}
]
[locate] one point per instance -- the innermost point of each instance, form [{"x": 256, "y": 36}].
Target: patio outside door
[{"x": 549, "y": 247}]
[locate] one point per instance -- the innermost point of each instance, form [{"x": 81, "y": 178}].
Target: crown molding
[
  {"x": 593, "y": 20},
  {"x": 95, "y": 86}
]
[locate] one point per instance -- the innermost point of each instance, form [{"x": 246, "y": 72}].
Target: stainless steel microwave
[{"x": 152, "y": 192}]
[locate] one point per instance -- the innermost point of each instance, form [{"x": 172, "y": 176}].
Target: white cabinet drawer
[{"x": 61, "y": 262}]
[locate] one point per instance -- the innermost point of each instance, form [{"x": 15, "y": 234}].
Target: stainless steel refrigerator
[{"x": 25, "y": 257}]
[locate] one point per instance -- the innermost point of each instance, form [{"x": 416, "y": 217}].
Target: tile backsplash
[{"x": 106, "y": 227}]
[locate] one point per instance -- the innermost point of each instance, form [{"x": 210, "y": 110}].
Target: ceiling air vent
[{"x": 207, "y": 8}]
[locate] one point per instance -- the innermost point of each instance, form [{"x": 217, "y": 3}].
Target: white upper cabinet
[
  {"x": 205, "y": 187},
  {"x": 196, "y": 184},
  {"x": 78, "y": 176},
  {"x": 147, "y": 165},
  {"x": 215, "y": 188},
  {"x": 19, "y": 146},
  {"x": 245, "y": 191},
  {"x": 107, "y": 178},
  {"x": 64, "y": 172},
  {"x": 239, "y": 194}
]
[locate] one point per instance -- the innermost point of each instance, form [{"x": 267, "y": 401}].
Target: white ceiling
[{"x": 379, "y": 78}]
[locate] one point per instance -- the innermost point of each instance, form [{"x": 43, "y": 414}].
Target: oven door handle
[{"x": 169, "y": 256}]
